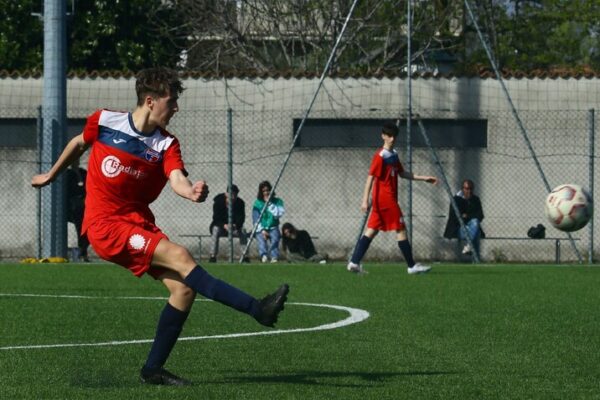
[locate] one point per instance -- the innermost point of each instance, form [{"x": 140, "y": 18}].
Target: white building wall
[{"x": 322, "y": 188}]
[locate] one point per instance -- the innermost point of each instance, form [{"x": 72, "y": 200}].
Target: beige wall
[{"x": 322, "y": 188}]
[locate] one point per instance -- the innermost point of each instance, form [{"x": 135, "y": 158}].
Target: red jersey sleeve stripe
[{"x": 90, "y": 131}]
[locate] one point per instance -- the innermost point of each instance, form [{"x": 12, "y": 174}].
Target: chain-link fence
[{"x": 322, "y": 187}]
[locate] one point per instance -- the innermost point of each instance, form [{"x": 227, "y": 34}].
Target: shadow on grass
[
  {"x": 339, "y": 379},
  {"x": 106, "y": 379}
]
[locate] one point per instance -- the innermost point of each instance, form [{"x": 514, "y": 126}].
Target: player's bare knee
[
  {"x": 181, "y": 255},
  {"x": 183, "y": 293},
  {"x": 182, "y": 297}
]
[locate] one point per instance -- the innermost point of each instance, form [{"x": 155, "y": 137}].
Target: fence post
[
  {"x": 230, "y": 180},
  {"x": 409, "y": 194},
  {"x": 54, "y": 119},
  {"x": 591, "y": 114},
  {"x": 40, "y": 146}
]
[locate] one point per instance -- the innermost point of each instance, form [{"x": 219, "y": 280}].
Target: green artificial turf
[{"x": 459, "y": 332}]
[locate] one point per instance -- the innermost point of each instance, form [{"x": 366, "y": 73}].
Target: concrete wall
[{"x": 322, "y": 187}]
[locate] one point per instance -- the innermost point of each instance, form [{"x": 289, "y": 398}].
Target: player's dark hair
[
  {"x": 157, "y": 82},
  {"x": 288, "y": 226},
  {"x": 261, "y": 186},
  {"x": 470, "y": 183},
  {"x": 234, "y": 189},
  {"x": 390, "y": 129}
]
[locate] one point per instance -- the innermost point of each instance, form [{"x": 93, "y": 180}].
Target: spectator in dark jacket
[
  {"x": 471, "y": 212},
  {"x": 75, "y": 180},
  {"x": 299, "y": 246},
  {"x": 219, "y": 227}
]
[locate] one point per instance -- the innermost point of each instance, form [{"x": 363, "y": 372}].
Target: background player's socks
[
  {"x": 215, "y": 289},
  {"x": 169, "y": 327},
  {"x": 406, "y": 250},
  {"x": 361, "y": 248}
]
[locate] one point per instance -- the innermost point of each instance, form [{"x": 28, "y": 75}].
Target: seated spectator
[
  {"x": 219, "y": 227},
  {"x": 471, "y": 213},
  {"x": 299, "y": 246},
  {"x": 268, "y": 226},
  {"x": 75, "y": 181}
]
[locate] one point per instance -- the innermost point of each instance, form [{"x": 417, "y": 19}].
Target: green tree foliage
[
  {"x": 541, "y": 34},
  {"x": 20, "y": 35},
  {"x": 298, "y": 35},
  {"x": 120, "y": 34},
  {"x": 101, "y": 35}
]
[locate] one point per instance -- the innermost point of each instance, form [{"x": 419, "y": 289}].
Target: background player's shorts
[
  {"x": 386, "y": 219},
  {"x": 128, "y": 244}
]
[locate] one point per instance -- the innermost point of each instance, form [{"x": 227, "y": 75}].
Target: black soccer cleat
[
  {"x": 271, "y": 305},
  {"x": 162, "y": 377}
]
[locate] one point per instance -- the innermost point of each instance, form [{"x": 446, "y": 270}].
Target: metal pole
[
  {"x": 516, "y": 116},
  {"x": 40, "y": 146},
  {"x": 54, "y": 106},
  {"x": 230, "y": 180},
  {"x": 409, "y": 219},
  {"x": 299, "y": 130},
  {"x": 438, "y": 164},
  {"x": 592, "y": 152}
]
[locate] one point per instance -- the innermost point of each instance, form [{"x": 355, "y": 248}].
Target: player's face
[
  {"x": 289, "y": 234},
  {"x": 163, "y": 109},
  {"x": 266, "y": 191},
  {"x": 467, "y": 190},
  {"x": 388, "y": 141},
  {"x": 233, "y": 196}
]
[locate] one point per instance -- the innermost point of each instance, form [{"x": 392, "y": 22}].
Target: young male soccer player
[
  {"x": 385, "y": 211},
  {"x": 131, "y": 160}
]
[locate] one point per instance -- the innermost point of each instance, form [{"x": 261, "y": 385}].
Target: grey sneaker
[
  {"x": 419, "y": 268},
  {"x": 467, "y": 250},
  {"x": 356, "y": 268}
]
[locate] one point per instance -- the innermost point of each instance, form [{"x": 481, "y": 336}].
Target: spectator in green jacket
[{"x": 268, "y": 226}]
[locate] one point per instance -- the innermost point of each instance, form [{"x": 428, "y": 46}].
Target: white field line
[{"x": 356, "y": 315}]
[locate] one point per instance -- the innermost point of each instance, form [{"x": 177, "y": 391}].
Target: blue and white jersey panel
[
  {"x": 116, "y": 129},
  {"x": 389, "y": 157}
]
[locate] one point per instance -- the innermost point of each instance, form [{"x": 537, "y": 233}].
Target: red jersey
[
  {"x": 385, "y": 167},
  {"x": 385, "y": 213},
  {"x": 127, "y": 169}
]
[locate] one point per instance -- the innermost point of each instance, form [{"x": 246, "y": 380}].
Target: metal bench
[
  {"x": 557, "y": 242},
  {"x": 200, "y": 236}
]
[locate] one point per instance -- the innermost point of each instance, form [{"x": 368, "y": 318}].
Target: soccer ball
[{"x": 569, "y": 207}]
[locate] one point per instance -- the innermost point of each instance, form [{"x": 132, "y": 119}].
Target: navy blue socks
[
  {"x": 361, "y": 248},
  {"x": 406, "y": 250},
  {"x": 217, "y": 290},
  {"x": 169, "y": 327},
  {"x": 171, "y": 319}
]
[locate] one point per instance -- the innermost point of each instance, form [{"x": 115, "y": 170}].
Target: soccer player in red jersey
[
  {"x": 385, "y": 211},
  {"x": 133, "y": 156}
]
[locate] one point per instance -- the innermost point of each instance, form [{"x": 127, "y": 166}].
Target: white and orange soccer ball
[{"x": 569, "y": 207}]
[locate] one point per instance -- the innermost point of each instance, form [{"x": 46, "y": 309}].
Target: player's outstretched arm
[
  {"x": 424, "y": 178},
  {"x": 181, "y": 185},
  {"x": 73, "y": 150}
]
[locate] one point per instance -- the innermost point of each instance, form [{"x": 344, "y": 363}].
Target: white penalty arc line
[{"x": 356, "y": 315}]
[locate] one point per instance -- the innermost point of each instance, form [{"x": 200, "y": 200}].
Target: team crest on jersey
[
  {"x": 152, "y": 155},
  {"x": 137, "y": 242},
  {"x": 112, "y": 166}
]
